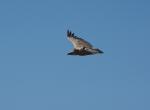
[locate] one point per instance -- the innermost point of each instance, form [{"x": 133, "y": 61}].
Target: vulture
[{"x": 81, "y": 46}]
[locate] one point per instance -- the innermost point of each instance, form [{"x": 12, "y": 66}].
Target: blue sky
[{"x": 36, "y": 73}]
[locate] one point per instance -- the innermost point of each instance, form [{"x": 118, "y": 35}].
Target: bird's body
[
  {"x": 80, "y": 52},
  {"x": 81, "y": 47}
]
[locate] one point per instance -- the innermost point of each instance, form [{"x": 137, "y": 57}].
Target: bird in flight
[{"x": 81, "y": 47}]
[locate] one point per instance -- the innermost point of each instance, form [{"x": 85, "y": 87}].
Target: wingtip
[{"x": 69, "y": 33}]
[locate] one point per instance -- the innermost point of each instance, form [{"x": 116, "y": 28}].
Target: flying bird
[{"x": 81, "y": 46}]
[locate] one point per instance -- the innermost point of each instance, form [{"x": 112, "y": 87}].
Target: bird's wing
[
  {"x": 91, "y": 50},
  {"x": 77, "y": 42}
]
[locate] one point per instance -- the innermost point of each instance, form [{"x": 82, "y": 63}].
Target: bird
[{"x": 81, "y": 46}]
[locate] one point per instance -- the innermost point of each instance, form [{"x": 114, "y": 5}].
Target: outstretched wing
[{"x": 77, "y": 42}]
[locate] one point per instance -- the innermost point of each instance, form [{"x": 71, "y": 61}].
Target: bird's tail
[{"x": 98, "y": 50}]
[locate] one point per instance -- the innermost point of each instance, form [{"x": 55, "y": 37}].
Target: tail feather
[{"x": 99, "y": 51}]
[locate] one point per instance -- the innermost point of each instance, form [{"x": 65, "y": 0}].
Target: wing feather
[{"x": 77, "y": 42}]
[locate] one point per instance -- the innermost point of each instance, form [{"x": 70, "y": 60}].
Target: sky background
[{"x": 36, "y": 73}]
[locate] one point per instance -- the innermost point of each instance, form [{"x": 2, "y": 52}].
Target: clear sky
[{"x": 36, "y": 73}]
